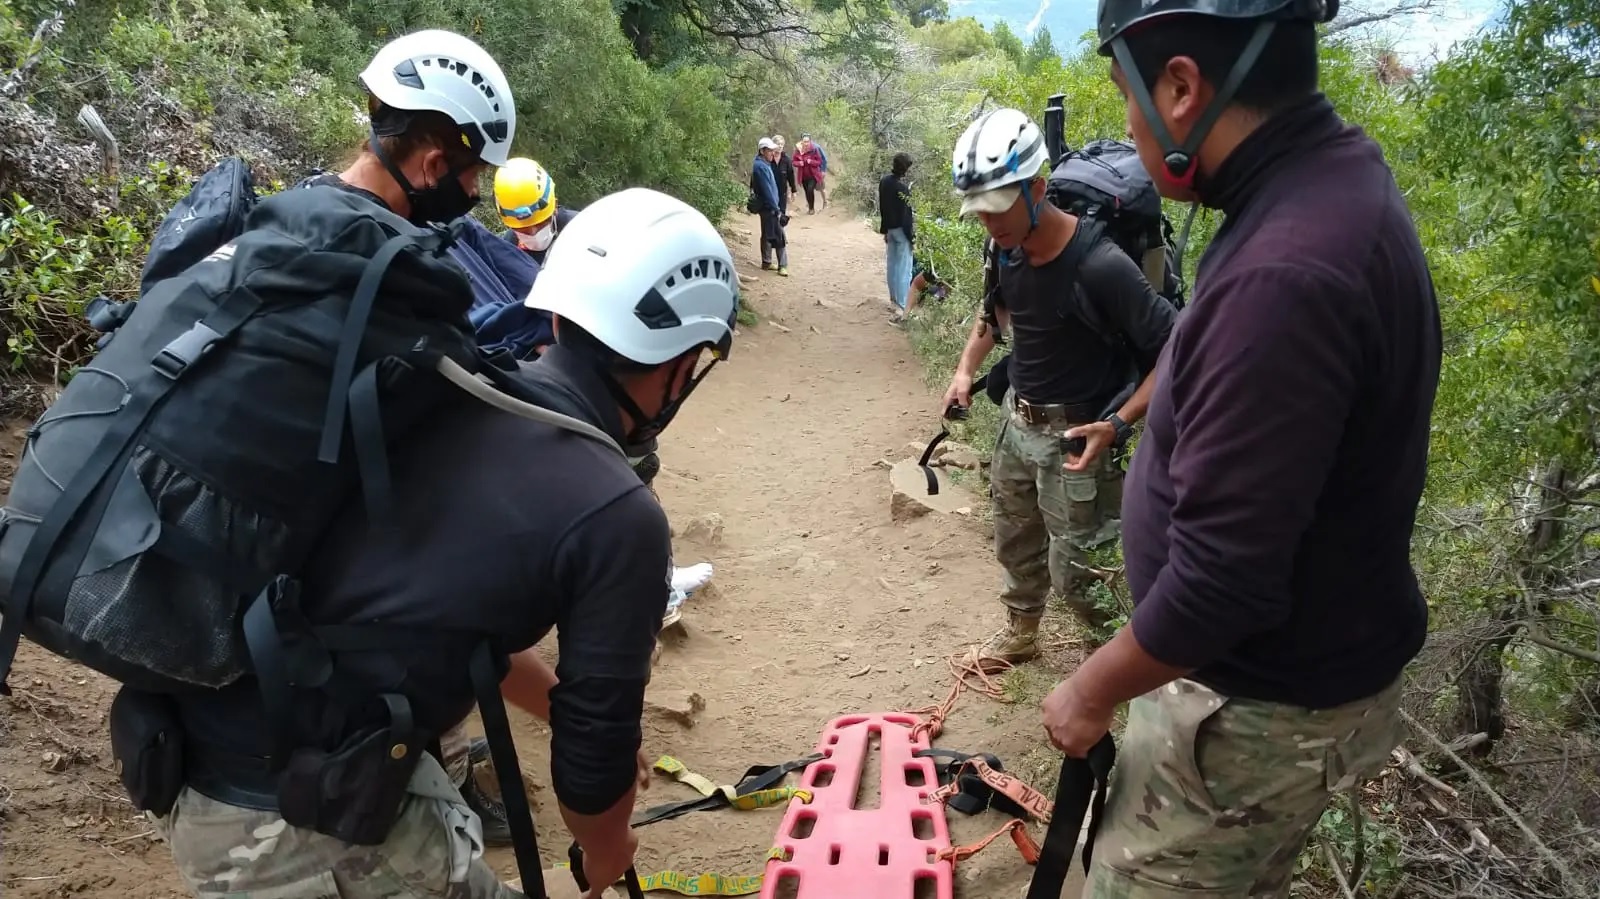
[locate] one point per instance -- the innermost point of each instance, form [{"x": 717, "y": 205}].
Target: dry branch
[{"x": 1569, "y": 881}]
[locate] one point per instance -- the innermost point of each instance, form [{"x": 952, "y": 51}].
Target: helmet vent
[{"x": 656, "y": 313}]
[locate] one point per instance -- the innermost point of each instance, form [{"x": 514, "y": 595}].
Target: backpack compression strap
[{"x": 1080, "y": 792}]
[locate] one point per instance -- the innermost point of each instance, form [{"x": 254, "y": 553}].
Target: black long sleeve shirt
[
  {"x": 894, "y": 206},
  {"x": 1269, "y": 507}
]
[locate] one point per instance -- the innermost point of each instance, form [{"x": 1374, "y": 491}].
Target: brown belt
[{"x": 1052, "y": 413}]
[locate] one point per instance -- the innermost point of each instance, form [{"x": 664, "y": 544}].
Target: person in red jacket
[{"x": 808, "y": 171}]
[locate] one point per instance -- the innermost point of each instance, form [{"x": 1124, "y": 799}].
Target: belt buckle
[{"x": 1028, "y": 413}]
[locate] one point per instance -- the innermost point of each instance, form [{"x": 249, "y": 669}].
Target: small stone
[
  {"x": 916, "y": 663},
  {"x": 54, "y": 762},
  {"x": 842, "y": 656},
  {"x": 866, "y": 670},
  {"x": 680, "y": 708},
  {"x": 960, "y": 457},
  {"x": 705, "y": 528}
]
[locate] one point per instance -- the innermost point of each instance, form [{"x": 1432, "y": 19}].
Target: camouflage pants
[
  {"x": 1046, "y": 520},
  {"x": 1216, "y": 796},
  {"x": 435, "y": 849},
  {"x": 454, "y": 746}
]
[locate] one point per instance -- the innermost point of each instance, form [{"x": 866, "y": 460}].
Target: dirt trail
[{"x": 821, "y": 605}]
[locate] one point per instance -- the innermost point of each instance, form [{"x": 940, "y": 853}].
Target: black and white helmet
[
  {"x": 444, "y": 72},
  {"x": 1002, "y": 148}
]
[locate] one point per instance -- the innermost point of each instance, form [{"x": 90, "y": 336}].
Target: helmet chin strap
[
  {"x": 647, "y": 427},
  {"x": 1033, "y": 219},
  {"x": 1182, "y": 159},
  {"x": 388, "y": 164}
]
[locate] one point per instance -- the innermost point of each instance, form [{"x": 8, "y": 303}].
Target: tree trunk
[{"x": 1480, "y": 704}]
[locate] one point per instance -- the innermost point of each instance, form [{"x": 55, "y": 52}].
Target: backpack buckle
[{"x": 185, "y": 350}]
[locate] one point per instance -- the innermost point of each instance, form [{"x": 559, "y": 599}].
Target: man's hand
[
  {"x": 959, "y": 394},
  {"x": 605, "y": 862},
  {"x": 1073, "y": 723},
  {"x": 1097, "y": 437}
]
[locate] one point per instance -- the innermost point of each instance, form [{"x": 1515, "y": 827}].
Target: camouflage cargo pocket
[{"x": 1082, "y": 491}]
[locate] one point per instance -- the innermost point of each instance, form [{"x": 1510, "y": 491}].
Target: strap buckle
[{"x": 185, "y": 350}]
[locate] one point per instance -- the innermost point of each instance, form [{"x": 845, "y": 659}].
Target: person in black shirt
[
  {"x": 1087, "y": 329},
  {"x": 1267, "y": 529},
  {"x": 783, "y": 168},
  {"x": 899, "y": 226},
  {"x": 482, "y": 539}
]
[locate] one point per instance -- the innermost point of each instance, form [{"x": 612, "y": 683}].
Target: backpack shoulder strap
[
  {"x": 455, "y": 374},
  {"x": 1081, "y": 302}
]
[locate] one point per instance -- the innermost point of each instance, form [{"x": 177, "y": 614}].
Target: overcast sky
[{"x": 1417, "y": 38}]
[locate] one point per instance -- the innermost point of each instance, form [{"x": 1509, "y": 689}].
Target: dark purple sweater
[{"x": 1267, "y": 522}]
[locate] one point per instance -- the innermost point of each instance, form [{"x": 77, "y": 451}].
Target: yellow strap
[
  {"x": 704, "y": 884},
  {"x": 679, "y": 772},
  {"x": 769, "y": 798}
]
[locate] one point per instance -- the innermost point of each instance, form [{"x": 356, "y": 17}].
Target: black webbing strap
[
  {"x": 366, "y": 431},
  {"x": 927, "y": 456},
  {"x": 355, "y": 327},
  {"x": 170, "y": 363},
  {"x": 1080, "y": 792},
  {"x": 758, "y": 777},
  {"x": 575, "y": 862},
  {"x": 486, "y": 676},
  {"x": 280, "y": 667}
]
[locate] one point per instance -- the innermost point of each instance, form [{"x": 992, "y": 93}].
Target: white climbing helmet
[
  {"x": 645, "y": 274},
  {"x": 1002, "y": 148},
  {"x": 445, "y": 72}
]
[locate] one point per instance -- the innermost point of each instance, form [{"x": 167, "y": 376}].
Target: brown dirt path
[{"x": 821, "y": 606}]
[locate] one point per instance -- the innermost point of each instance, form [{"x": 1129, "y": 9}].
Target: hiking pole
[
  {"x": 1080, "y": 792},
  {"x": 575, "y": 860}
]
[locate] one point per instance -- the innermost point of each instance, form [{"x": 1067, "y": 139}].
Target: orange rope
[{"x": 969, "y": 675}]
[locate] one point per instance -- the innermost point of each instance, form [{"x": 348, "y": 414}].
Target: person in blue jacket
[{"x": 767, "y": 204}]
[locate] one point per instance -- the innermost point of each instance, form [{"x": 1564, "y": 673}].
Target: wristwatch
[{"x": 1124, "y": 430}]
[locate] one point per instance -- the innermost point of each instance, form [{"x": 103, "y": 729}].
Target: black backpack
[
  {"x": 1105, "y": 181},
  {"x": 212, "y": 214},
  {"x": 200, "y": 455}
]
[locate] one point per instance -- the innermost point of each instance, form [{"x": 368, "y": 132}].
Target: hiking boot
[
  {"x": 766, "y": 266},
  {"x": 783, "y": 271},
  {"x": 1016, "y": 643},
  {"x": 490, "y": 811}
]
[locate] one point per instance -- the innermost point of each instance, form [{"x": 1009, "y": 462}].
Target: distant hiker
[
  {"x": 898, "y": 224},
  {"x": 822, "y": 182},
  {"x": 764, "y": 198},
  {"x": 526, "y": 196},
  {"x": 1086, "y": 327},
  {"x": 1271, "y": 500},
  {"x": 783, "y": 168},
  {"x": 808, "y": 168}
]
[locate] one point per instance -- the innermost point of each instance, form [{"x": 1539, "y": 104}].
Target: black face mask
[{"x": 440, "y": 204}]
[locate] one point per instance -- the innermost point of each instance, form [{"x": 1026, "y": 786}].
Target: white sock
[{"x": 692, "y": 578}]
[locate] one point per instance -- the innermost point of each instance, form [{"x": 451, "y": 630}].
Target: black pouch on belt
[
  {"x": 147, "y": 743},
  {"x": 354, "y": 792}
]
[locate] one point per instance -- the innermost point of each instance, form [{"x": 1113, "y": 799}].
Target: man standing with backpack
[
  {"x": 1272, "y": 498},
  {"x": 299, "y": 525},
  {"x": 1086, "y": 325}
]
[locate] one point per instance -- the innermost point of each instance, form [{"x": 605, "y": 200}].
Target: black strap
[
  {"x": 927, "y": 454},
  {"x": 1080, "y": 790},
  {"x": 280, "y": 665},
  {"x": 366, "y": 430},
  {"x": 171, "y": 363},
  {"x": 486, "y": 676},
  {"x": 575, "y": 862},
  {"x": 759, "y": 777},
  {"x": 355, "y": 327}
]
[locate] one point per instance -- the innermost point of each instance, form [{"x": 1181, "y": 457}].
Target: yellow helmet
[{"x": 524, "y": 192}]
